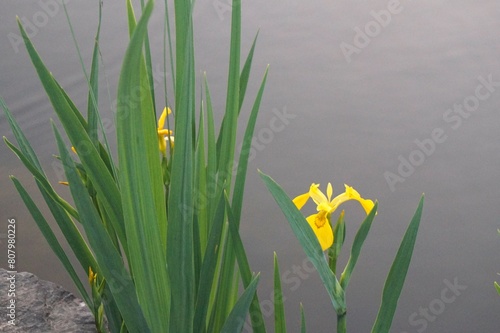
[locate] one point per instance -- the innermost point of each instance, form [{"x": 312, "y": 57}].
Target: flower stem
[{"x": 341, "y": 323}]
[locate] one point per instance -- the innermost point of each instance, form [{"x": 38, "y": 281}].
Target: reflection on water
[{"x": 410, "y": 82}]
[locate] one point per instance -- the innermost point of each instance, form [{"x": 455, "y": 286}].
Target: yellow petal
[
  {"x": 301, "y": 200},
  {"x": 162, "y": 144},
  {"x": 316, "y": 194},
  {"x": 323, "y": 233},
  {"x": 329, "y": 191},
  {"x": 161, "y": 120},
  {"x": 91, "y": 275},
  {"x": 351, "y": 194},
  {"x": 165, "y": 132}
]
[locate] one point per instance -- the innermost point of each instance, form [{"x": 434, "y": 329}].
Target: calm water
[{"x": 391, "y": 98}]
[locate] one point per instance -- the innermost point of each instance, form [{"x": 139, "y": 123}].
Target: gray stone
[{"x": 41, "y": 307}]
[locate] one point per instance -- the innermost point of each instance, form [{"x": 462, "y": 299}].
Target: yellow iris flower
[
  {"x": 164, "y": 135},
  {"x": 320, "y": 222}
]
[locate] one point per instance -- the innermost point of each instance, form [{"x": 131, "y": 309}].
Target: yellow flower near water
[
  {"x": 164, "y": 135},
  {"x": 320, "y": 222}
]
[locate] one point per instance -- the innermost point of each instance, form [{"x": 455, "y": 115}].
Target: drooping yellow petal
[
  {"x": 323, "y": 233},
  {"x": 301, "y": 200},
  {"x": 351, "y": 194}
]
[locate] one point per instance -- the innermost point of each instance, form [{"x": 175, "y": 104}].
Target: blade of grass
[
  {"x": 309, "y": 243},
  {"x": 212, "y": 155},
  {"x": 201, "y": 186},
  {"x": 239, "y": 185},
  {"x": 279, "y": 306},
  {"x": 208, "y": 269},
  {"x": 397, "y": 275},
  {"x": 245, "y": 72},
  {"x": 236, "y": 318},
  {"x": 229, "y": 125},
  {"x": 334, "y": 251},
  {"x": 246, "y": 274},
  {"x": 92, "y": 100},
  {"x": 356, "y": 247},
  {"x": 141, "y": 182},
  {"x": 180, "y": 249}
]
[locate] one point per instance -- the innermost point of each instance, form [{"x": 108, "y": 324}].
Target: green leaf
[
  {"x": 309, "y": 243},
  {"x": 359, "y": 239},
  {"x": 92, "y": 100},
  {"x": 245, "y": 72},
  {"x": 239, "y": 185},
  {"x": 180, "y": 244},
  {"x": 236, "y": 318},
  {"x": 229, "y": 126},
  {"x": 397, "y": 275},
  {"x": 208, "y": 268},
  {"x": 246, "y": 274},
  {"x": 279, "y": 306},
  {"x": 211, "y": 151},
  {"x": 110, "y": 263},
  {"x": 141, "y": 183},
  {"x": 497, "y": 287},
  {"x": 336, "y": 248}
]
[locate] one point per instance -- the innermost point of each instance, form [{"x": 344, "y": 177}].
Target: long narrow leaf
[
  {"x": 356, "y": 247},
  {"x": 397, "y": 275},
  {"x": 246, "y": 274},
  {"x": 141, "y": 183},
  {"x": 279, "y": 307},
  {"x": 208, "y": 268},
  {"x": 180, "y": 246},
  {"x": 236, "y": 318},
  {"x": 239, "y": 185}
]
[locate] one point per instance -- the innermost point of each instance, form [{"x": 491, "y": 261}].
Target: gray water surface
[{"x": 386, "y": 96}]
